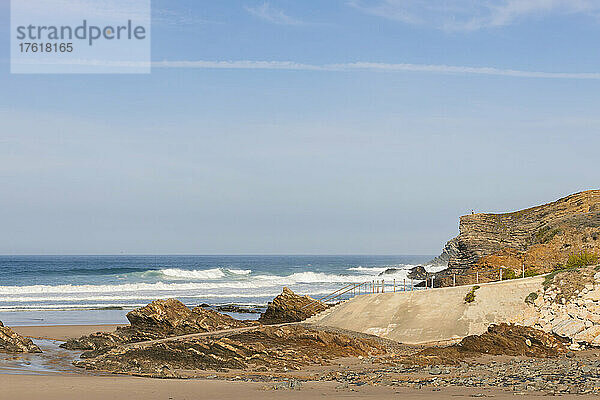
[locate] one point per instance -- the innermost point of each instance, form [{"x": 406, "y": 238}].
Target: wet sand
[{"x": 61, "y": 332}]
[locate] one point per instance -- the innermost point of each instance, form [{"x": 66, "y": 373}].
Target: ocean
[{"x": 42, "y": 290}]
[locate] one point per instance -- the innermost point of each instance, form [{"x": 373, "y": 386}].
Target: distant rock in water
[
  {"x": 232, "y": 308},
  {"x": 11, "y": 342},
  {"x": 290, "y": 307},
  {"x": 390, "y": 271},
  {"x": 540, "y": 237},
  {"x": 159, "y": 319},
  {"x": 266, "y": 348}
]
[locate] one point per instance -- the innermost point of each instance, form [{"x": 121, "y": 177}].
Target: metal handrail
[{"x": 331, "y": 296}]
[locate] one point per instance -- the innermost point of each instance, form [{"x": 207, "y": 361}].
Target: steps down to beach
[{"x": 439, "y": 315}]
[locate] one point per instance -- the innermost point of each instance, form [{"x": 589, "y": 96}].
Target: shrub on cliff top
[
  {"x": 581, "y": 260},
  {"x": 531, "y": 272},
  {"x": 508, "y": 273}
]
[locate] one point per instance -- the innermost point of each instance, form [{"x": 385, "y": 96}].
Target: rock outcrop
[
  {"x": 158, "y": 320},
  {"x": 11, "y": 342},
  {"x": 418, "y": 273},
  {"x": 290, "y": 307},
  {"x": 541, "y": 238},
  {"x": 501, "y": 339},
  {"x": 266, "y": 348}
]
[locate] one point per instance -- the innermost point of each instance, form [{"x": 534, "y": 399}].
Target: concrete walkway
[{"x": 437, "y": 315}]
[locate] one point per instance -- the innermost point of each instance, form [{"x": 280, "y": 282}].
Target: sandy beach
[
  {"x": 66, "y": 387},
  {"x": 57, "y": 385}
]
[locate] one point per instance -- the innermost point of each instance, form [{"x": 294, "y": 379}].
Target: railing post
[
  {"x": 383, "y": 286},
  {"x": 394, "y": 285},
  {"x": 411, "y": 284},
  {"x": 500, "y": 274},
  {"x": 453, "y": 279},
  {"x": 432, "y": 278},
  {"x": 477, "y": 276},
  {"x": 404, "y": 285},
  {"x": 523, "y": 270}
]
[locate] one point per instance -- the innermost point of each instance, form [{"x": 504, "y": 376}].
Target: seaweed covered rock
[
  {"x": 501, "y": 339},
  {"x": 158, "y": 320},
  {"x": 264, "y": 348},
  {"x": 290, "y": 307},
  {"x": 11, "y": 342}
]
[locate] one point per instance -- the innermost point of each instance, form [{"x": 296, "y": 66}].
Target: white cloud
[
  {"x": 472, "y": 14},
  {"x": 273, "y": 15}
]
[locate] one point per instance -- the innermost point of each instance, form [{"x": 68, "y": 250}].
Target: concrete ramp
[{"x": 438, "y": 315}]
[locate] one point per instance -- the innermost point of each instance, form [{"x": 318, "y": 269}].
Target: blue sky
[{"x": 351, "y": 126}]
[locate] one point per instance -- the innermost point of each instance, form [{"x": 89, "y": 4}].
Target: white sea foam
[
  {"x": 213, "y": 273},
  {"x": 88, "y": 298},
  {"x": 374, "y": 270},
  {"x": 260, "y": 281},
  {"x": 240, "y": 271}
]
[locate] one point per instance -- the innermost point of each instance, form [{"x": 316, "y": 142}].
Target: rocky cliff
[{"x": 540, "y": 237}]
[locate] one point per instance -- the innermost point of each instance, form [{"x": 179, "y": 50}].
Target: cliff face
[{"x": 541, "y": 237}]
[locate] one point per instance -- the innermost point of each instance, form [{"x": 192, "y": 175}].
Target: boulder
[
  {"x": 158, "y": 320},
  {"x": 588, "y": 336},
  {"x": 568, "y": 328},
  {"x": 11, "y": 342},
  {"x": 290, "y": 307},
  {"x": 265, "y": 348}
]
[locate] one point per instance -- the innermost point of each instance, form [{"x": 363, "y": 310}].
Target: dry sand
[{"x": 77, "y": 387}]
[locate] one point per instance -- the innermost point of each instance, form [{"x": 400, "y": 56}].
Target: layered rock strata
[
  {"x": 540, "y": 238},
  {"x": 11, "y": 342},
  {"x": 158, "y": 320},
  {"x": 290, "y": 307},
  {"x": 266, "y": 348}
]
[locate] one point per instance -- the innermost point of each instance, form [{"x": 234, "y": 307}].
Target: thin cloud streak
[
  {"x": 342, "y": 67},
  {"x": 371, "y": 66}
]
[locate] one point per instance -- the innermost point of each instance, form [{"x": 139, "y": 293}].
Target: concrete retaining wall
[{"x": 437, "y": 315}]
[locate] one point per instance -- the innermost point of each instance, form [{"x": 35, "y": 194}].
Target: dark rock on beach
[
  {"x": 290, "y": 307},
  {"x": 264, "y": 348},
  {"x": 11, "y": 342},
  {"x": 502, "y": 339},
  {"x": 159, "y": 319}
]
